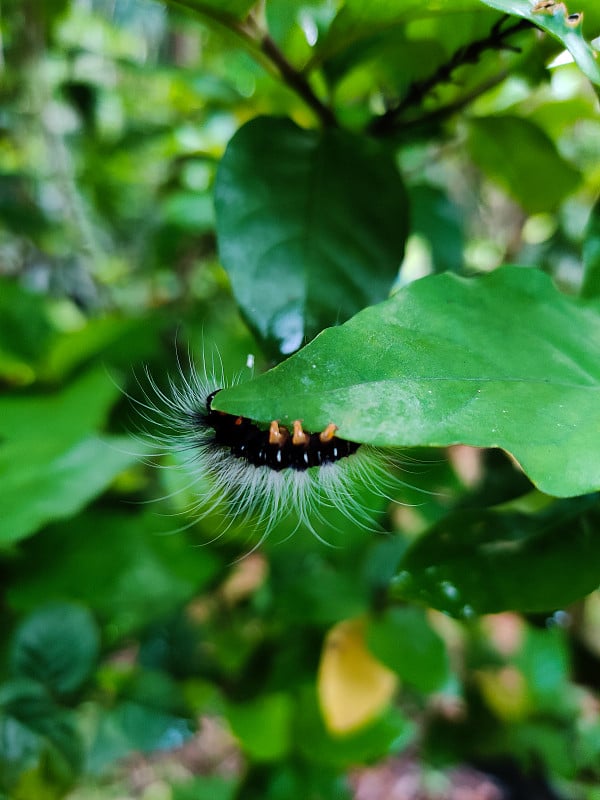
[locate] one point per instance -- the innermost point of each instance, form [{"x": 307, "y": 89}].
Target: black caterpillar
[{"x": 277, "y": 447}]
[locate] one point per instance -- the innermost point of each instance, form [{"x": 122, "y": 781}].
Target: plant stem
[
  {"x": 387, "y": 123},
  {"x": 264, "y": 48},
  {"x": 296, "y": 81}
]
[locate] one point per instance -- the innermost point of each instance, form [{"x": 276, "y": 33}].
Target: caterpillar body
[{"x": 266, "y": 473}]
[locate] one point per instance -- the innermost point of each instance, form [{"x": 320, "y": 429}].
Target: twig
[
  {"x": 258, "y": 41},
  {"x": 387, "y": 123},
  {"x": 296, "y": 81},
  {"x": 446, "y": 111}
]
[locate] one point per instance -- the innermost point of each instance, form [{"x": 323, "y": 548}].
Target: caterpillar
[{"x": 263, "y": 472}]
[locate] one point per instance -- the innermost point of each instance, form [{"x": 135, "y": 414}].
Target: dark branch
[
  {"x": 295, "y": 80},
  {"x": 388, "y": 122},
  {"x": 265, "y": 50}
]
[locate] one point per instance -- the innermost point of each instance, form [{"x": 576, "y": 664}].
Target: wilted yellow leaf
[{"x": 353, "y": 687}]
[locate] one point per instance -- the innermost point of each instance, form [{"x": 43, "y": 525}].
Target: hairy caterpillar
[{"x": 263, "y": 472}]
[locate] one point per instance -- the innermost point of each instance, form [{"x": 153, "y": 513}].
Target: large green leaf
[
  {"x": 498, "y": 361},
  {"x": 535, "y": 174},
  {"x": 58, "y": 646},
  {"x": 554, "y": 17},
  {"x": 52, "y": 486},
  {"x": 51, "y": 462},
  {"x": 61, "y": 418},
  {"x": 484, "y": 561},
  {"x": 311, "y": 226}
]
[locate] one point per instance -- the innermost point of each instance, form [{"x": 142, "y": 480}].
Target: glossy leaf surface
[
  {"x": 501, "y": 361},
  {"x": 481, "y": 562},
  {"x": 311, "y": 227}
]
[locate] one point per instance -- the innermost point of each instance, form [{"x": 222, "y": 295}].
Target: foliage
[{"x": 266, "y": 178}]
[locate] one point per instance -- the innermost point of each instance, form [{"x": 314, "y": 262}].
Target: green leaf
[
  {"x": 436, "y": 218},
  {"x": 63, "y": 417},
  {"x": 25, "y": 331},
  {"x": 591, "y": 255},
  {"x": 150, "y": 716},
  {"x": 108, "y": 561},
  {"x": 51, "y": 464},
  {"x": 361, "y": 19},
  {"x": 403, "y": 640},
  {"x": 388, "y": 734},
  {"x": 207, "y": 787},
  {"x": 556, "y": 20},
  {"x": 534, "y": 174},
  {"x": 262, "y": 726},
  {"x": 35, "y": 734},
  {"x": 57, "y": 646},
  {"x": 224, "y": 11},
  {"x": 311, "y": 226},
  {"x": 485, "y": 561},
  {"x": 497, "y": 361},
  {"x": 544, "y": 662},
  {"x": 130, "y": 727},
  {"x": 55, "y": 486}
]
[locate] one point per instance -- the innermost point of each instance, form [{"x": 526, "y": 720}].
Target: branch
[
  {"x": 296, "y": 81},
  {"x": 386, "y": 124},
  {"x": 265, "y": 50},
  {"x": 439, "y": 114}
]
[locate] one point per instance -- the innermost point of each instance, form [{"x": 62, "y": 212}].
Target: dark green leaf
[
  {"x": 35, "y": 733},
  {"x": 591, "y": 255},
  {"x": 535, "y": 174},
  {"x": 311, "y": 226},
  {"x": 480, "y": 562},
  {"x": 437, "y": 219},
  {"x": 57, "y": 646},
  {"x": 25, "y": 331},
  {"x": 360, "y": 19},
  {"x": 499, "y": 361},
  {"x": 149, "y": 715},
  {"x": 130, "y": 727},
  {"x": 403, "y": 640}
]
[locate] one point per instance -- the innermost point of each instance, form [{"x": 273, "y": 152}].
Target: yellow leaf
[{"x": 353, "y": 687}]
